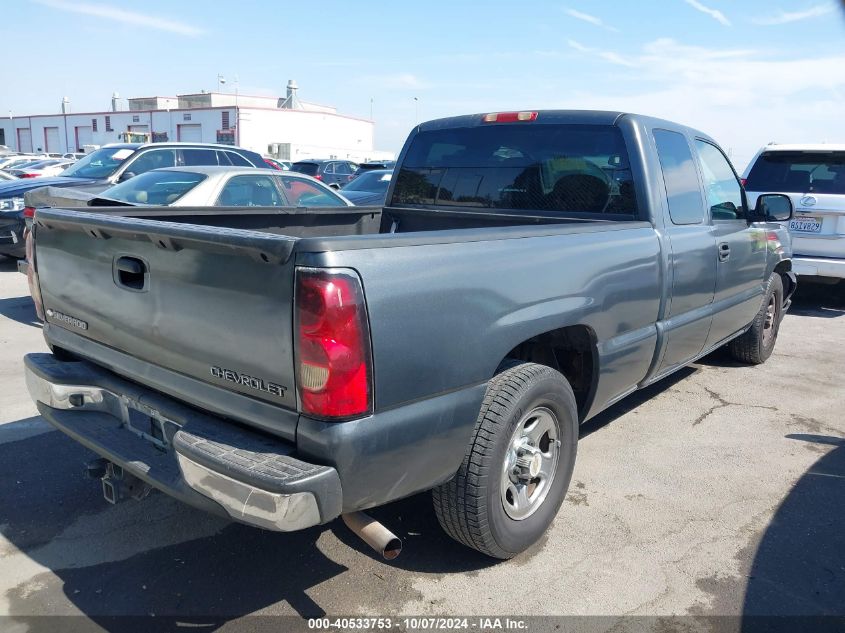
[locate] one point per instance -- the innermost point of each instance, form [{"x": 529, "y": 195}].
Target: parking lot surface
[{"x": 719, "y": 491}]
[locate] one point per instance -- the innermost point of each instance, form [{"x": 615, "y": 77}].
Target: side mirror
[
  {"x": 773, "y": 207},
  {"x": 126, "y": 176}
]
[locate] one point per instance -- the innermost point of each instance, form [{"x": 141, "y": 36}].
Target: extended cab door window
[
  {"x": 683, "y": 190},
  {"x": 721, "y": 185},
  {"x": 249, "y": 191}
]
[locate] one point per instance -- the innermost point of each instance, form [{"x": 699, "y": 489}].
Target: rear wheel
[
  {"x": 517, "y": 468},
  {"x": 757, "y": 344}
]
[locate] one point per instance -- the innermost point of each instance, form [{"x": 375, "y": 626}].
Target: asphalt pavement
[{"x": 718, "y": 491}]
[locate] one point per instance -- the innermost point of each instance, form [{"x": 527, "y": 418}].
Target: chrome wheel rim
[
  {"x": 530, "y": 463},
  {"x": 770, "y": 322}
]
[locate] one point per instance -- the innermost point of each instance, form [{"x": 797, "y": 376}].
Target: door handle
[
  {"x": 130, "y": 273},
  {"x": 724, "y": 251}
]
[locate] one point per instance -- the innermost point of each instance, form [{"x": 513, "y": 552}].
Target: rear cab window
[
  {"x": 798, "y": 172},
  {"x": 572, "y": 169}
]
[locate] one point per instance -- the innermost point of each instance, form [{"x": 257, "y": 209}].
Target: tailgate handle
[{"x": 130, "y": 272}]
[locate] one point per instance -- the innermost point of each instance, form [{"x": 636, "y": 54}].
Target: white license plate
[{"x": 806, "y": 225}]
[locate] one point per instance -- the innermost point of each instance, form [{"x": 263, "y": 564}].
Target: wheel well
[
  {"x": 788, "y": 286},
  {"x": 571, "y": 351}
]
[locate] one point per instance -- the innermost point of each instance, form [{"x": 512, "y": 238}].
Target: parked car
[
  {"x": 370, "y": 188},
  {"x": 335, "y": 173},
  {"x": 4, "y": 176},
  {"x": 8, "y": 163},
  {"x": 814, "y": 178},
  {"x": 373, "y": 165},
  {"x": 74, "y": 155},
  {"x": 50, "y": 167},
  {"x": 275, "y": 163},
  {"x": 221, "y": 186},
  {"x": 107, "y": 166},
  {"x": 529, "y": 270}
]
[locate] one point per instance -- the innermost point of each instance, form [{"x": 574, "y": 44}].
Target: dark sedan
[{"x": 368, "y": 189}]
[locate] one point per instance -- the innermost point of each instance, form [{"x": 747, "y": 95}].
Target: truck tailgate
[{"x": 210, "y": 303}]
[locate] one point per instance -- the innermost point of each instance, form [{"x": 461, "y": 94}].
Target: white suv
[{"x": 814, "y": 177}]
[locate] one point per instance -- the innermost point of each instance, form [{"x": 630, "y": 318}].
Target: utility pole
[{"x": 416, "y": 111}]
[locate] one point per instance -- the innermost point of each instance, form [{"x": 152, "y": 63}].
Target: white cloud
[
  {"x": 608, "y": 56},
  {"x": 130, "y": 18},
  {"x": 743, "y": 98},
  {"x": 786, "y": 17},
  {"x": 713, "y": 13},
  {"x": 592, "y": 19}
]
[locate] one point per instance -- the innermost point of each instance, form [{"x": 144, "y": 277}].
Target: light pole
[{"x": 220, "y": 81}]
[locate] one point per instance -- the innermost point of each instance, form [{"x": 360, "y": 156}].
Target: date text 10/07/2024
[{"x": 418, "y": 624}]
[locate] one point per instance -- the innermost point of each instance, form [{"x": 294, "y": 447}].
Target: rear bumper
[
  {"x": 818, "y": 266},
  {"x": 11, "y": 236},
  {"x": 200, "y": 459}
]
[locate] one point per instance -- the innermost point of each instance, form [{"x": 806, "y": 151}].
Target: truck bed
[{"x": 176, "y": 322}]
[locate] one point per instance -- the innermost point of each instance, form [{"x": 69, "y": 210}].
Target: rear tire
[
  {"x": 756, "y": 345},
  {"x": 518, "y": 466}
]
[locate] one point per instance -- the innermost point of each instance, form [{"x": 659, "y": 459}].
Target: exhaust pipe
[{"x": 374, "y": 534}]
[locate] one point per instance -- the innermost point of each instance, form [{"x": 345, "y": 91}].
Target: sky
[{"x": 747, "y": 73}]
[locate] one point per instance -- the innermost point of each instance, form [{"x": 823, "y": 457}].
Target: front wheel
[
  {"x": 517, "y": 468},
  {"x": 756, "y": 345}
]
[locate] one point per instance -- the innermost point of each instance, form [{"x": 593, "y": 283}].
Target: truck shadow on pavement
[
  {"x": 8, "y": 264},
  {"x": 634, "y": 400},
  {"x": 72, "y": 551},
  {"x": 819, "y": 300},
  {"x": 20, "y": 309},
  {"x": 798, "y": 568}
]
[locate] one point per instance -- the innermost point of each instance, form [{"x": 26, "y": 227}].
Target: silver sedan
[{"x": 223, "y": 187}]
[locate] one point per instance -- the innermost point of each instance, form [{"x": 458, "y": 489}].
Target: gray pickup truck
[{"x": 529, "y": 270}]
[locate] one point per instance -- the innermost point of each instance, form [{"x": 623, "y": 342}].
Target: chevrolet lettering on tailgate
[{"x": 259, "y": 384}]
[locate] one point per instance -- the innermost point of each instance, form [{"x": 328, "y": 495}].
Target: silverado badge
[{"x": 66, "y": 318}]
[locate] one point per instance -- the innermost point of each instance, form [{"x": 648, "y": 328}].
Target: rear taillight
[
  {"x": 29, "y": 212},
  {"x": 333, "y": 357},
  {"x": 28, "y": 176},
  {"x": 742, "y": 180},
  {"x": 32, "y": 274},
  {"x": 318, "y": 176}
]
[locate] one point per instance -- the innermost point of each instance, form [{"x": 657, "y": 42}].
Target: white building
[{"x": 287, "y": 128}]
